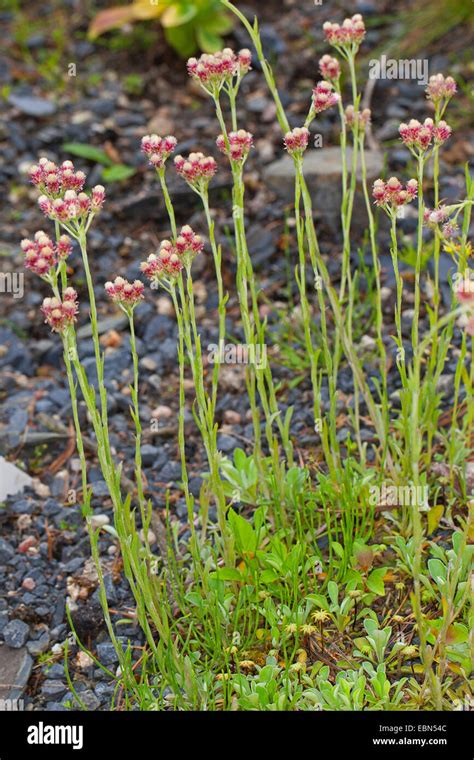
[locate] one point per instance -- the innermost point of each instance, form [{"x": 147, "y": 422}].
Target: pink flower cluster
[
  {"x": 440, "y": 88},
  {"x": 72, "y": 205},
  {"x": 240, "y": 143},
  {"x": 465, "y": 295},
  {"x": 324, "y": 97},
  {"x": 60, "y": 314},
  {"x": 352, "y": 31},
  {"x": 420, "y": 136},
  {"x": 219, "y": 68},
  {"x": 128, "y": 294},
  {"x": 55, "y": 180},
  {"x": 362, "y": 118},
  {"x": 329, "y": 68},
  {"x": 172, "y": 257},
  {"x": 296, "y": 141},
  {"x": 392, "y": 193},
  {"x": 158, "y": 149},
  {"x": 433, "y": 217},
  {"x": 41, "y": 254},
  {"x": 436, "y": 216},
  {"x": 197, "y": 169}
]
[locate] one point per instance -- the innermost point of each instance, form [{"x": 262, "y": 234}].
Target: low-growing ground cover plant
[{"x": 343, "y": 584}]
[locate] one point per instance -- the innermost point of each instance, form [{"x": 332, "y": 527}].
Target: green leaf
[
  {"x": 228, "y": 574},
  {"x": 244, "y": 533},
  {"x": 117, "y": 173},
  {"x": 434, "y": 516},
  {"x": 375, "y": 581},
  {"x": 437, "y": 570},
  {"x": 207, "y": 41},
  {"x": 337, "y": 549},
  {"x": 88, "y": 151},
  {"x": 220, "y": 23},
  {"x": 182, "y": 39},
  {"x": 178, "y": 15},
  {"x": 333, "y": 592}
]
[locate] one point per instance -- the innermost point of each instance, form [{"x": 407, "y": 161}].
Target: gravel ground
[{"x": 44, "y": 550}]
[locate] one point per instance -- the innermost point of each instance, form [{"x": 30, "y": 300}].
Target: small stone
[
  {"x": 226, "y": 443},
  {"x": 16, "y": 634},
  {"x": 231, "y": 417},
  {"x": 31, "y": 105},
  {"x": 162, "y": 412},
  {"x": 98, "y": 521},
  {"x": 29, "y": 584},
  {"x": 52, "y": 689},
  {"x": 83, "y": 660},
  {"x": 6, "y": 552},
  {"x": 40, "y": 645}
]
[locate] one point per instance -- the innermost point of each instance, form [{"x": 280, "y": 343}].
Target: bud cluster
[
  {"x": 158, "y": 149},
  {"x": 197, "y": 169},
  {"x": 54, "y": 180},
  {"x": 41, "y": 254},
  {"x": 173, "y": 257},
  {"x": 240, "y": 143},
  {"x": 440, "y": 88},
  {"x": 361, "y": 119},
  {"x": 59, "y": 315},
  {"x": 420, "y": 136},
  {"x": 329, "y": 68},
  {"x": 127, "y": 294},
  {"x": 296, "y": 141},
  {"x": 72, "y": 205},
  {"x": 392, "y": 193},
  {"x": 465, "y": 296},
  {"x": 220, "y": 68},
  {"x": 324, "y": 96},
  {"x": 351, "y": 32}
]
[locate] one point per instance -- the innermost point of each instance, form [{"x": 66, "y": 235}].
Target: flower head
[
  {"x": 436, "y": 216},
  {"x": 197, "y": 169},
  {"x": 158, "y": 149},
  {"x": 127, "y": 294},
  {"x": 296, "y": 141},
  {"x": 440, "y": 88},
  {"x": 213, "y": 71},
  {"x": 419, "y": 137},
  {"x": 187, "y": 245},
  {"x": 324, "y": 96},
  {"x": 41, "y": 254},
  {"x": 59, "y": 315},
  {"x": 465, "y": 291},
  {"x": 54, "y": 180},
  {"x": 239, "y": 145},
  {"x": 359, "y": 118},
  {"x": 329, "y": 68},
  {"x": 348, "y": 35},
  {"x": 392, "y": 194}
]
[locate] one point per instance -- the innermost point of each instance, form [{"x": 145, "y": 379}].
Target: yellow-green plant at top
[{"x": 189, "y": 25}]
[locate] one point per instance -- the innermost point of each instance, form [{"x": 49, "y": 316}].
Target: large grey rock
[
  {"x": 15, "y": 670},
  {"x": 16, "y": 634},
  {"x": 12, "y": 480},
  {"x": 323, "y": 173}
]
